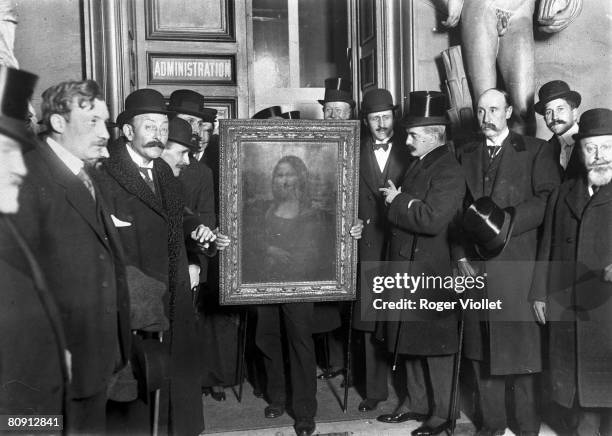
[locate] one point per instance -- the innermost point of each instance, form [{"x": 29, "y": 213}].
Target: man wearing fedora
[
  {"x": 383, "y": 157},
  {"x": 573, "y": 293},
  {"x": 558, "y": 105},
  {"x": 148, "y": 206},
  {"x": 517, "y": 173},
  {"x": 420, "y": 213},
  {"x": 66, "y": 221},
  {"x": 33, "y": 351}
]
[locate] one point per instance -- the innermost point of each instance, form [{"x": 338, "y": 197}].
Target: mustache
[
  {"x": 556, "y": 122},
  {"x": 153, "y": 144},
  {"x": 489, "y": 126}
]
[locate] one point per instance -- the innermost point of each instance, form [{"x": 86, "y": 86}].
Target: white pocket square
[{"x": 118, "y": 223}]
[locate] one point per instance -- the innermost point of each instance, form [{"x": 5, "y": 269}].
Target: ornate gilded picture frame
[{"x": 289, "y": 192}]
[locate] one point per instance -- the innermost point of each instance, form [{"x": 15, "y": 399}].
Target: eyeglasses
[
  {"x": 591, "y": 148},
  {"x": 153, "y": 129}
]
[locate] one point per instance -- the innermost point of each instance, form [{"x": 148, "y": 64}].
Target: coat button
[
  {"x": 108, "y": 310},
  {"x": 105, "y": 284},
  {"x": 101, "y": 257}
]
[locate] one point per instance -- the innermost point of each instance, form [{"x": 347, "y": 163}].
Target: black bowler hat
[
  {"x": 425, "y": 108},
  {"x": 377, "y": 100},
  {"x": 142, "y": 101},
  {"x": 292, "y": 115},
  {"x": 179, "y": 131},
  {"x": 269, "y": 112},
  {"x": 338, "y": 89},
  {"x": 208, "y": 115},
  {"x": 186, "y": 101},
  {"x": 16, "y": 88},
  {"x": 489, "y": 226},
  {"x": 553, "y": 90},
  {"x": 594, "y": 122}
]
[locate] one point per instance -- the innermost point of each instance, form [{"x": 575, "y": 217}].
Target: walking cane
[
  {"x": 347, "y": 375},
  {"x": 241, "y": 355},
  {"x": 156, "y": 399},
  {"x": 399, "y": 323},
  {"x": 456, "y": 370}
]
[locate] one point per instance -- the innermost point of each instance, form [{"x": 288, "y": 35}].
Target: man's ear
[
  {"x": 128, "y": 131},
  {"x": 509, "y": 112},
  {"x": 58, "y": 123}
]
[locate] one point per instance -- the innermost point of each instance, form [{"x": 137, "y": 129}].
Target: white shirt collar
[
  {"x": 74, "y": 164},
  {"x": 566, "y": 138},
  {"x": 500, "y": 139},
  {"x": 138, "y": 159}
]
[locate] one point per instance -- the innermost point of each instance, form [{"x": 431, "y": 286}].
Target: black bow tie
[{"x": 383, "y": 145}]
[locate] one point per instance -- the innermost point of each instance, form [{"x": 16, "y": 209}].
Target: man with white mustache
[
  {"x": 559, "y": 106},
  {"x": 574, "y": 292}
]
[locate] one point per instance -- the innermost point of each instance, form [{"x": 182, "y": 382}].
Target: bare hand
[
  {"x": 203, "y": 235},
  {"x": 466, "y": 269},
  {"x": 223, "y": 241},
  {"x": 454, "y": 13},
  {"x": 539, "y": 307},
  {"x": 391, "y": 192},
  {"x": 194, "y": 275},
  {"x": 357, "y": 229},
  {"x": 607, "y": 273}
]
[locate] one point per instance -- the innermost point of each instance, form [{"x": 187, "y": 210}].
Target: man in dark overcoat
[
  {"x": 558, "y": 105},
  {"x": 67, "y": 223},
  {"x": 520, "y": 172},
  {"x": 420, "y": 213},
  {"x": 574, "y": 294},
  {"x": 383, "y": 157},
  {"x": 147, "y": 202},
  {"x": 33, "y": 353}
]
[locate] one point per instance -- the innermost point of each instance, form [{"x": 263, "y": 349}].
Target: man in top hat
[
  {"x": 420, "y": 212},
  {"x": 574, "y": 292},
  {"x": 269, "y": 113},
  {"x": 559, "y": 106},
  {"x": 148, "y": 207},
  {"x": 383, "y": 157},
  {"x": 33, "y": 353},
  {"x": 66, "y": 221},
  {"x": 338, "y": 103},
  {"x": 503, "y": 345}
]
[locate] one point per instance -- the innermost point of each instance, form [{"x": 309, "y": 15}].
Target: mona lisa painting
[{"x": 288, "y": 200}]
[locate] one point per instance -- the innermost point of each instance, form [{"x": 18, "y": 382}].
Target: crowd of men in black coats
[{"x": 104, "y": 247}]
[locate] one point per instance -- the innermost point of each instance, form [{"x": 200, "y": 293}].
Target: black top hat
[
  {"x": 489, "y": 226},
  {"x": 142, "y": 101},
  {"x": 594, "y": 122},
  {"x": 425, "y": 108},
  {"x": 16, "y": 88},
  {"x": 186, "y": 101},
  {"x": 292, "y": 115},
  {"x": 555, "y": 89},
  {"x": 180, "y": 131},
  {"x": 377, "y": 100},
  {"x": 269, "y": 112},
  {"x": 338, "y": 89}
]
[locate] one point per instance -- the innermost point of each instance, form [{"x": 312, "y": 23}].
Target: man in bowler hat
[
  {"x": 504, "y": 346},
  {"x": 147, "y": 202},
  {"x": 383, "y": 158},
  {"x": 33, "y": 353},
  {"x": 420, "y": 212},
  {"x": 558, "y": 104},
  {"x": 573, "y": 294},
  {"x": 67, "y": 222}
]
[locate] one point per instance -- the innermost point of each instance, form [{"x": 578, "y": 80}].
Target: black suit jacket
[
  {"x": 575, "y": 167},
  {"x": 33, "y": 375},
  {"x": 372, "y": 209},
  {"x": 80, "y": 254}
]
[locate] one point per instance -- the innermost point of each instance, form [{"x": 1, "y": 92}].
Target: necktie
[
  {"x": 493, "y": 150},
  {"x": 381, "y": 144},
  {"x": 147, "y": 178},
  {"x": 84, "y": 177}
]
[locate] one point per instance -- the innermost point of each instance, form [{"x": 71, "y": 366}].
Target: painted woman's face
[{"x": 285, "y": 182}]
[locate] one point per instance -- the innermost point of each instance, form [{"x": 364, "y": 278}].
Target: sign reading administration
[{"x": 197, "y": 69}]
